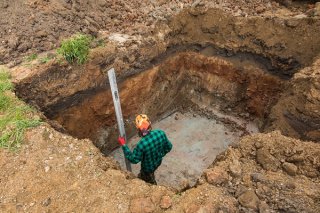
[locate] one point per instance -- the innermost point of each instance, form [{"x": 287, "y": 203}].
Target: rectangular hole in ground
[
  {"x": 187, "y": 82},
  {"x": 196, "y": 139},
  {"x": 185, "y": 79}
]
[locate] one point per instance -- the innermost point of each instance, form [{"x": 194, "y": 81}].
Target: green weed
[
  {"x": 15, "y": 116},
  {"x": 76, "y": 49},
  {"x": 5, "y": 83},
  {"x": 32, "y": 57},
  {"x": 44, "y": 60},
  {"x": 101, "y": 43},
  {"x": 5, "y": 102}
]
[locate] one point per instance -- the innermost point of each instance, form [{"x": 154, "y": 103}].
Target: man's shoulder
[
  {"x": 153, "y": 135},
  {"x": 157, "y": 134},
  {"x": 157, "y": 131}
]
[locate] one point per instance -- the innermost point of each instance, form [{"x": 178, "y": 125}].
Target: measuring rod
[{"x": 117, "y": 107}]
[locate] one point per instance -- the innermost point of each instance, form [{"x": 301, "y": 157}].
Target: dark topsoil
[{"x": 34, "y": 26}]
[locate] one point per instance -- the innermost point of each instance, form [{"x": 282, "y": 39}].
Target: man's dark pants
[{"x": 147, "y": 177}]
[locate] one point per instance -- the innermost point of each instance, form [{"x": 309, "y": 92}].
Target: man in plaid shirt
[{"x": 150, "y": 150}]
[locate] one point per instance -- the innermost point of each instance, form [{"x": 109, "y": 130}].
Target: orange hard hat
[{"x": 142, "y": 122}]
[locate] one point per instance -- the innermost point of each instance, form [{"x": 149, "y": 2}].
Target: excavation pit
[
  {"x": 182, "y": 82},
  {"x": 197, "y": 140},
  {"x": 211, "y": 95},
  {"x": 204, "y": 103}
]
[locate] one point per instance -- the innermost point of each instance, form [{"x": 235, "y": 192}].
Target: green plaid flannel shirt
[{"x": 150, "y": 150}]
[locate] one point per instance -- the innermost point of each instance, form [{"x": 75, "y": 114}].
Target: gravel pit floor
[{"x": 196, "y": 141}]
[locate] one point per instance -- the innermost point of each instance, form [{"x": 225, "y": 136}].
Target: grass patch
[
  {"x": 44, "y": 60},
  {"x": 76, "y": 49},
  {"x": 5, "y": 83},
  {"x": 15, "y": 116},
  {"x": 5, "y": 102},
  {"x": 31, "y": 57}
]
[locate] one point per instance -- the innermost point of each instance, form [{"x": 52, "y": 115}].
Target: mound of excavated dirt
[
  {"x": 39, "y": 25},
  {"x": 265, "y": 173},
  {"x": 54, "y": 172}
]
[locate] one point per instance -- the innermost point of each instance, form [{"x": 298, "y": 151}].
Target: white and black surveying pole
[{"x": 117, "y": 107}]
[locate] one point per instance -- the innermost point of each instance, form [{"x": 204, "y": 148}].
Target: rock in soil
[
  {"x": 266, "y": 160},
  {"x": 165, "y": 202},
  {"x": 263, "y": 207},
  {"x": 235, "y": 168},
  {"x": 142, "y": 205},
  {"x": 249, "y": 199},
  {"x": 216, "y": 176},
  {"x": 290, "y": 168}
]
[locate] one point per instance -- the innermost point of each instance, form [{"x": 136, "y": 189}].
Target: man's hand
[{"x": 121, "y": 141}]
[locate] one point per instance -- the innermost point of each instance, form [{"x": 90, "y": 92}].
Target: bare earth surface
[
  {"x": 40, "y": 25},
  {"x": 263, "y": 172}
]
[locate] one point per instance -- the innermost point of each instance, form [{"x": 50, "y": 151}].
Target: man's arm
[
  {"x": 167, "y": 145},
  {"x": 135, "y": 156}
]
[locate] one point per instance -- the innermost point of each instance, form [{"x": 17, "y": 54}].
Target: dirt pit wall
[
  {"x": 297, "y": 112},
  {"x": 180, "y": 82},
  {"x": 290, "y": 43}
]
